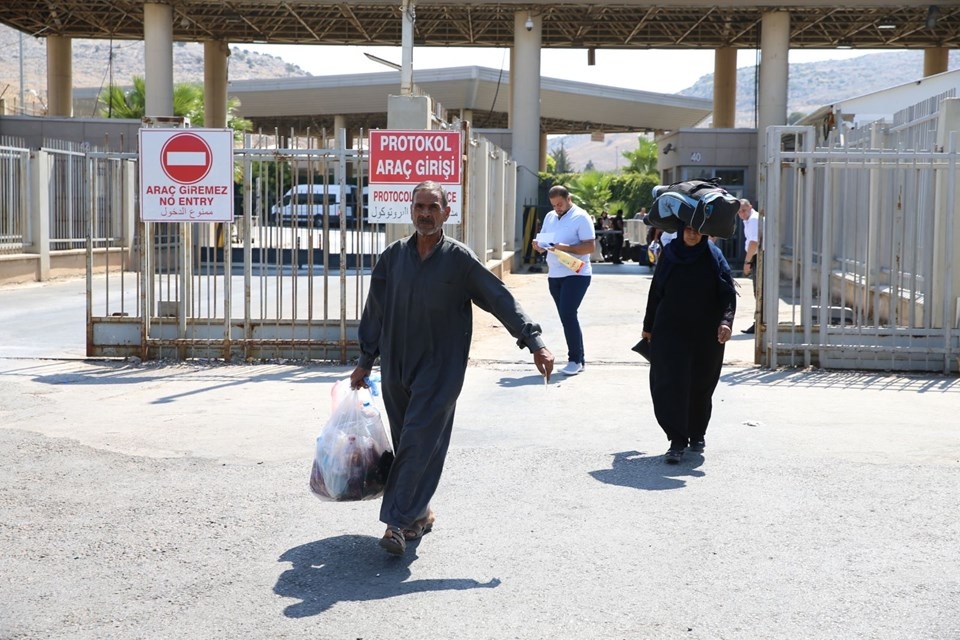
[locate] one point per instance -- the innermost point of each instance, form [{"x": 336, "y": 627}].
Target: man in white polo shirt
[{"x": 571, "y": 230}]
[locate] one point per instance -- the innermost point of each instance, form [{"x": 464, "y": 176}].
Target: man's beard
[{"x": 422, "y": 232}]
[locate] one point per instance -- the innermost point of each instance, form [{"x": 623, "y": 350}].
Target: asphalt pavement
[{"x": 171, "y": 500}]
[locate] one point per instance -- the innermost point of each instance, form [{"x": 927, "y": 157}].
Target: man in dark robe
[{"x": 418, "y": 319}]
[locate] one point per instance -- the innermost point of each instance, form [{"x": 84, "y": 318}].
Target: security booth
[{"x": 727, "y": 154}]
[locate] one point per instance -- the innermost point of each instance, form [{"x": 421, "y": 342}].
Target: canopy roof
[
  {"x": 566, "y": 107},
  {"x": 878, "y": 24}
]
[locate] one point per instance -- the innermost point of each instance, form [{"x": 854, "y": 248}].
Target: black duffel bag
[{"x": 699, "y": 204}]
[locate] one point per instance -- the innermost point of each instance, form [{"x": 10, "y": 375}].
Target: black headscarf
[
  {"x": 677, "y": 252},
  {"x": 680, "y": 253}
]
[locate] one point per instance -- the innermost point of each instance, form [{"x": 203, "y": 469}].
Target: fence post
[
  {"x": 943, "y": 306},
  {"x": 39, "y": 227},
  {"x": 475, "y": 226},
  {"x": 128, "y": 200},
  {"x": 497, "y": 211}
]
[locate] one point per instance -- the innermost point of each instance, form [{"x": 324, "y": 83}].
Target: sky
[{"x": 660, "y": 71}]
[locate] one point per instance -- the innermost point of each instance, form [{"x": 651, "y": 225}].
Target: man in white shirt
[
  {"x": 751, "y": 243},
  {"x": 571, "y": 230}
]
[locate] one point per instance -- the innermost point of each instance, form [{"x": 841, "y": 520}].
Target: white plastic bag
[{"x": 353, "y": 452}]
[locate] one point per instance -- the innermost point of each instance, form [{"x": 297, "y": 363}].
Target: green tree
[
  {"x": 590, "y": 190},
  {"x": 633, "y": 190},
  {"x": 643, "y": 159},
  {"x": 561, "y": 161},
  {"x": 551, "y": 166},
  {"x": 117, "y": 103},
  {"x": 187, "y": 103}
]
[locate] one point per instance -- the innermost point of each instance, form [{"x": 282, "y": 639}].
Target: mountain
[
  {"x": 812, "y": 85},
  {"x": 97, "y": 63},
  {"x": 815, "y": 84}
]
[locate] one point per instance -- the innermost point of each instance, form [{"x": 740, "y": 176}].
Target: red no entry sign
[
  {"x": 186, "y": 175},
  {"x": 186, "y": 158}
]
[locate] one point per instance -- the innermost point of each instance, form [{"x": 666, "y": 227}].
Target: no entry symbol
[{"x": 186, "y": 158}]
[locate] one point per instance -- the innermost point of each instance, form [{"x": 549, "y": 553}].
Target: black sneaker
[
  {"x": 673, "y": 456},
  {"x": 697, "y": 445}
]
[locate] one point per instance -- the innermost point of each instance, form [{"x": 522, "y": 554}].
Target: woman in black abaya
[{"x": 688, "y": 320}]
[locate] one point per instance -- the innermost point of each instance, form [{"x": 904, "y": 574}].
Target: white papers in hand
[{"x": 546, "y": 239}]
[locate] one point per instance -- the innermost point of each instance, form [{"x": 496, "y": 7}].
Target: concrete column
[
  {"x": 59, "y": 76},
  {"x": 774, "y": 71},
  {"x": 158, "y": 58},
  {"x": 407, "y": 24},
  {"x": 525, "y": 109},
  {"x": 475, "y": 228},
  {"x": 466, "y": 115},
  {"x": 215, "y": 70},
  {"x": 339, "y": 122},
  {"x": 543, "y": 151},
  {"x": 935, "y": 60},
  {"x": 724, "y": 88}
]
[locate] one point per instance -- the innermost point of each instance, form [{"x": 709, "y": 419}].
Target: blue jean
[{"x": 568, "y": 293}]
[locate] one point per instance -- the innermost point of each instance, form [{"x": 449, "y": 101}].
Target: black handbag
[{"x": 643, "y": 348}]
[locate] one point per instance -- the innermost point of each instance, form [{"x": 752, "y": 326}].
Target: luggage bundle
[{"x": 700, "y": 204}]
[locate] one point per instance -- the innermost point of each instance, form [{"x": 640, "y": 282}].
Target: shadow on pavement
[
  {"x": 527, "y": 381},
  {"x": 861, "y": 380},
  {"x": 123, "y": 373},
  {"x": 649, "y": 472},
  {"x": 352, "y": 568}
]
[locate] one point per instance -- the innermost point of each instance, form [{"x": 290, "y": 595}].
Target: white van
[{"x": 310, "y": 202}]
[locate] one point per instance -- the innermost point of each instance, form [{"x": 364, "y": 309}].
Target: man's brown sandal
[
  {"x": 420, "y": 527},
  {"x": 394, "y": 541}
]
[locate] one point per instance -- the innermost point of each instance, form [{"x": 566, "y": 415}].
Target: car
[{"x": 309, "y": 203}]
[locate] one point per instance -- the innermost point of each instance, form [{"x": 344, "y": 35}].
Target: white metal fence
[
  {"x": 262, "y": 288},
  {"x": 860, "y": 247},
  {"x": 14, "y": 204}
]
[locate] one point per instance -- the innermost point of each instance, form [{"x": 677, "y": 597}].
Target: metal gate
[
  {"x": 287, "y": 279},
  {"x": 860, "y": 248}
]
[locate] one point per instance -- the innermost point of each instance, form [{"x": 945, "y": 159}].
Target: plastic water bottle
[{"x": 373, "y": 381}]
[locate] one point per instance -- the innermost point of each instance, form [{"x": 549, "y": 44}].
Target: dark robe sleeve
[
  {"x": 371, "y": 320},
  {"x": 728, "y": 292},
  {"x": 490, "y": 294}
]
